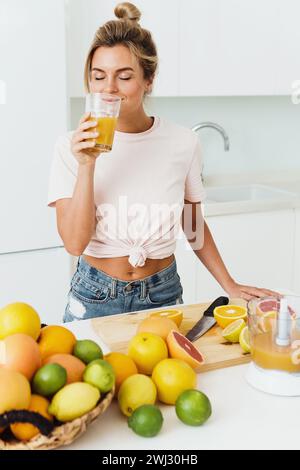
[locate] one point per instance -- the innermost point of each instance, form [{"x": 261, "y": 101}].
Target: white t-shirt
[{"x": 139, "y": 186}]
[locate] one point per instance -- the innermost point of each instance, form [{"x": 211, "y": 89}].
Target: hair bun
[{"x": 128, "y": 11}]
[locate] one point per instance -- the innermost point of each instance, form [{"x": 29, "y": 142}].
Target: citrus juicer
[{"x": 274, "y": 331}]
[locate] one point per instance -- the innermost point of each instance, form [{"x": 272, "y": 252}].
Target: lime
[
  {"x": 146, "y": 420},
  {"x": 100, "y": 374},
  {"x": 245, "y": 340},
  {"x": 87, "y": 350},
  {"x": 49, "y": 379},
  {"x": 232, "y": 331},
  {"x": 193, "y": 407}
]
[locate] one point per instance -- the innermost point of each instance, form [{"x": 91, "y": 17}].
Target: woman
[{"x": 153, "y": 170}]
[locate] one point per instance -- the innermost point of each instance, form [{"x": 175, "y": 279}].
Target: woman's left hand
[{"x": 249, "y": 292}]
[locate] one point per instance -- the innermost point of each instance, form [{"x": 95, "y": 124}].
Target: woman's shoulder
[{"x": 178, "y": 132}]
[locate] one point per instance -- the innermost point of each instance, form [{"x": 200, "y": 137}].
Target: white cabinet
[
  {"x": 40, "y": 278},
  {"x": 257, "y": 249},
  {"x": 161, "y": 17},
  {"x": 205, "y": 47},
  {"x": 32, "y": 65},
  {"x": 296, "y": 287},
  {"x": 235, "y": 47}
]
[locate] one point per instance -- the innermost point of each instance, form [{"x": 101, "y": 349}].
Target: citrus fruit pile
[
  {"x": 233, "y": 321},
  {"x": 46, "y": 376},
  {"x": 160, "y": 364}
]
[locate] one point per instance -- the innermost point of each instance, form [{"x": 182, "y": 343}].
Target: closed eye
[{"x": 102, "y": 78}]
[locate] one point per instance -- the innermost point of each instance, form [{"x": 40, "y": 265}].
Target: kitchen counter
[
  {"x": 287, "y": 183},
  {"x": 242, "y": 417}
]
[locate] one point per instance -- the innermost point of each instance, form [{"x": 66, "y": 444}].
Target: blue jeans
[{"x": 96, "y": 294}]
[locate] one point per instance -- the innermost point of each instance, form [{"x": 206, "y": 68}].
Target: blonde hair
[{"x": 126, "y": 31}]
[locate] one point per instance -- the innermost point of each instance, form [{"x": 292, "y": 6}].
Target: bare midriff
[{"x": 120, "y": 268}]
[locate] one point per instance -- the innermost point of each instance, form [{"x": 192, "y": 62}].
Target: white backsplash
[{"x": 263, "y": 131}]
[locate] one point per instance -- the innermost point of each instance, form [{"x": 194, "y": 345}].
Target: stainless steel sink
[{"x": 250, "y": 192}]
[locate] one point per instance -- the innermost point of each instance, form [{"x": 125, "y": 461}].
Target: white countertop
[
  {"x": 287, "y": 182},
  {"x": 242, "y": 417}
]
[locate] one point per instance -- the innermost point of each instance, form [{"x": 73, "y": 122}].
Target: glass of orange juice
[{"x": 104, "y": 108}]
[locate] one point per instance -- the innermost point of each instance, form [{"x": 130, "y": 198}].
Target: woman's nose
[{"x": 110, "y": 86}]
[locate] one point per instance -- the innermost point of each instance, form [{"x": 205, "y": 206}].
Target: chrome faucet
[{"x": 217, "y": 127}]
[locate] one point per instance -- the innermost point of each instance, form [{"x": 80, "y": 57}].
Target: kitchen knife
[{"x": 207, "y": 321}]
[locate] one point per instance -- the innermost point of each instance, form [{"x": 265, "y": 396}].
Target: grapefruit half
[{"x": 181, "y": 348}]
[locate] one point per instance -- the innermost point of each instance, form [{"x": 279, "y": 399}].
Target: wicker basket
[{"x": 61, "y": 435}]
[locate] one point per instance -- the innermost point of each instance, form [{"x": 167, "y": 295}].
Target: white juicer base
[{"x": 274, "y": 382}]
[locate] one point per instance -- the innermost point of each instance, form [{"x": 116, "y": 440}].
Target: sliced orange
[
  {"x": 173, "y": 314},
  {"x": 226, "y": 314}
]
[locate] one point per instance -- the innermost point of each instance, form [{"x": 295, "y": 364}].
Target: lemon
[
  {"x": 135, "y": 391},
  {"x": 19, "y": 318},
  {"x": 232, "y": 332},
  {"x": 226, "y": 314},
  {"x": 245, "y": 340},
  {"x": 172, "y": 377},
  {"x": 73, "y": 401}
]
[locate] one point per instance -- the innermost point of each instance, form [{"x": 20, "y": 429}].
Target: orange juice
[
  {"x": 268, "y": 355},
  {"x": 106, "y": 130}
]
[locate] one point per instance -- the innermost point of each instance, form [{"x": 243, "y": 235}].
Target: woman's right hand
[{"x": 83, "y": 149}]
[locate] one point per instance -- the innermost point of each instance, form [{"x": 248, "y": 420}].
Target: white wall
[{"x": 263, "y": 131}]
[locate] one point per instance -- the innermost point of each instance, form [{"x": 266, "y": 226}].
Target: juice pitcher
[{"x": 274, "y": 330}]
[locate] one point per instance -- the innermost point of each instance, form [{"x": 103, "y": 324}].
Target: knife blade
[{"x": 207, "y": 320}]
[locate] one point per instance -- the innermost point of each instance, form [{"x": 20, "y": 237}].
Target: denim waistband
[{"x": 97, "y": 275}]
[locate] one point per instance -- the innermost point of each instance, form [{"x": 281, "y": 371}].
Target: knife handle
[{"x": 217, "y": 303}]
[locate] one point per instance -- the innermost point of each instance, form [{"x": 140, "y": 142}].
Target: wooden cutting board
[{"x": 117, "y": 331}]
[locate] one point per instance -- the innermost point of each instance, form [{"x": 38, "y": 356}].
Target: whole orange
[
  {"x": 54, "y": 340},
  {"x": 21, "y": 353},
  {"x": 123, "y": 367},
  {"x": 160, "y": 326},
  {"x": 25, "y": 431},
  {"x": 74, "y": 366}
]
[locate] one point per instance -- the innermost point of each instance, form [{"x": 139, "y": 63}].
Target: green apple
[{"x": 100, "y": 374}]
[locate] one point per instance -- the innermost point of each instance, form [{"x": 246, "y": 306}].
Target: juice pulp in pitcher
[
  {"x": 268, "y": 355},
  {"x": 106, "y": 129}
]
